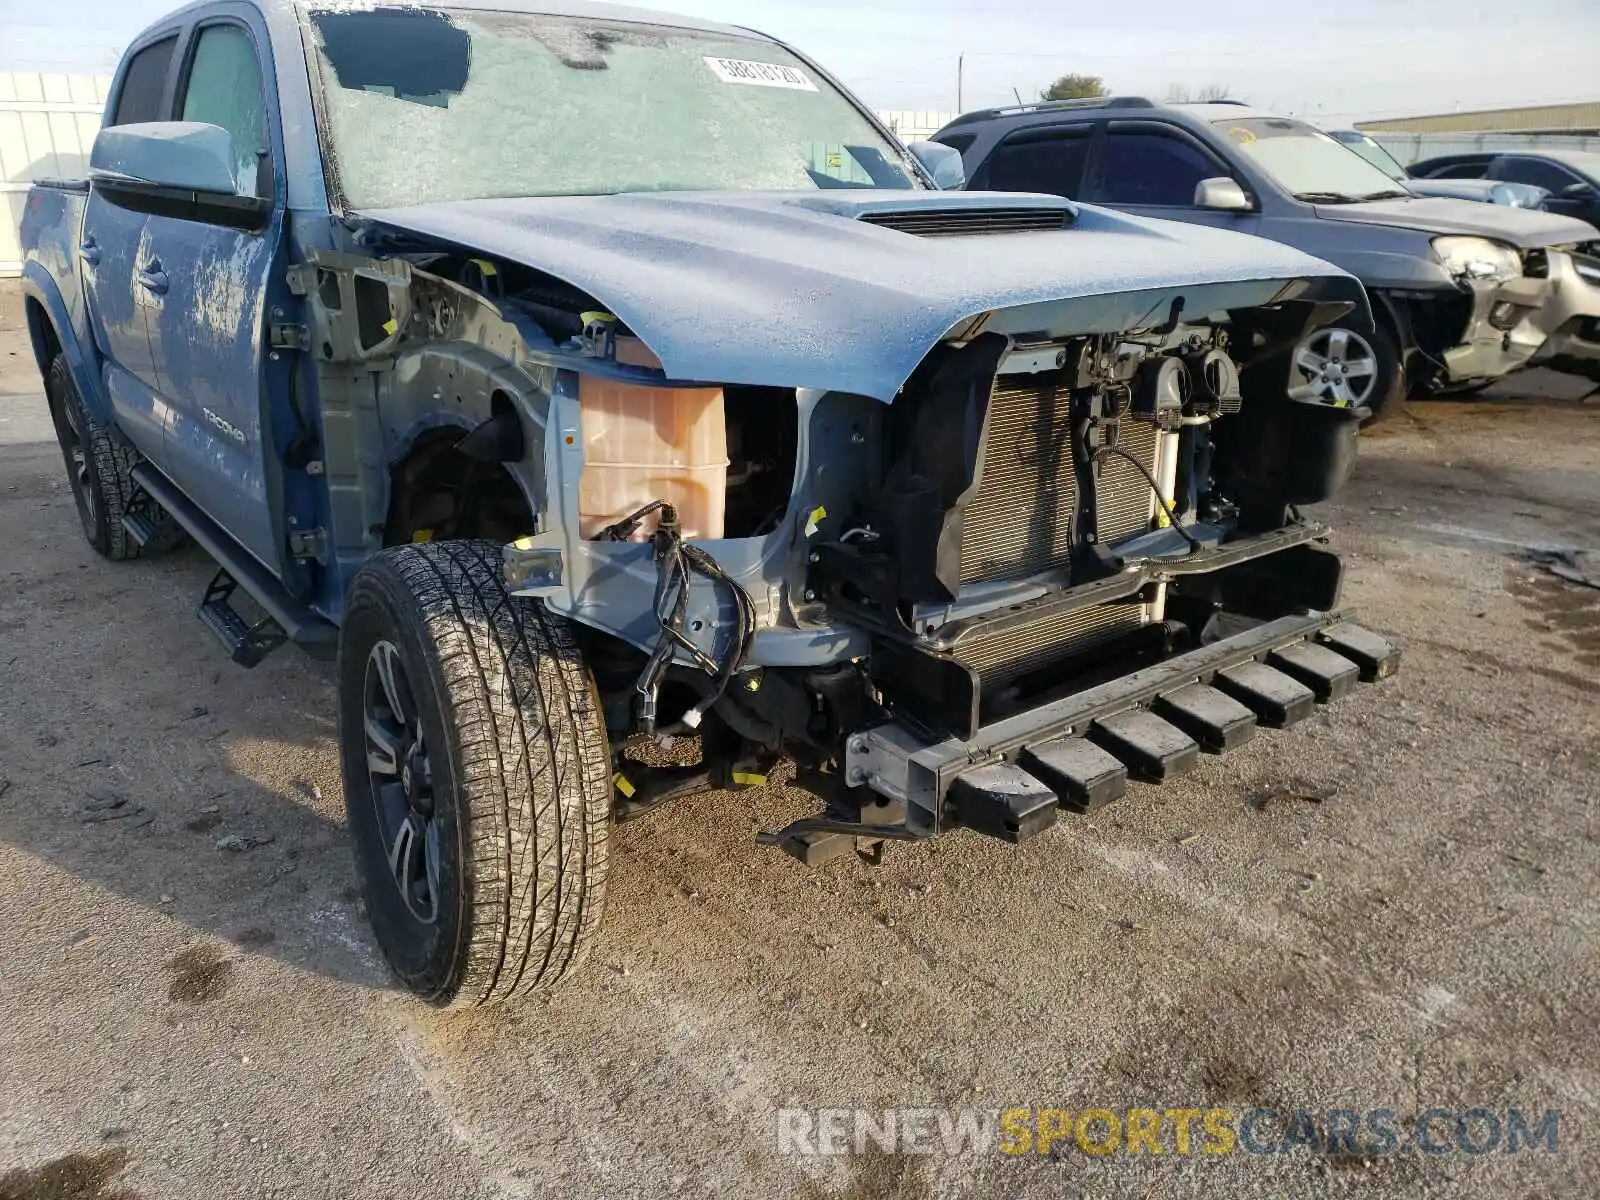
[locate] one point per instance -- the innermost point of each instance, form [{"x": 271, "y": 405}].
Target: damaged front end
[
  {"x": 1080, "y": 560},
  {"x": 1538, "y": 307},
  {"x": 1047, "y": 536},
  {"x": 1063, "y": 550}
]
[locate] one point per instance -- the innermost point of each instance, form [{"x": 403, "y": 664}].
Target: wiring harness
[
  {"x": 1110, "y": 449},
  {"x": 676, "y": 563}
]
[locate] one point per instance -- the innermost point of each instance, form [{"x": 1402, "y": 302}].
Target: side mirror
[
  {"x": 1517, "y": 195},
  {"x": 1221, "y": 195},
  {"x": 1578, "y": 191},
  {"x": 943, "y": 163},
  {"x": 184, "y": 169},
  {"x": 187, "y": 155}
]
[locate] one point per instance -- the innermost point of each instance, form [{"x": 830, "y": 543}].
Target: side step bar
[
  {"x": 287, "y": 619},
  {"x": 150, "y": 527}
]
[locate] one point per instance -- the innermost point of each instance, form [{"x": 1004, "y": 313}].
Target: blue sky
[{"x": 1334, "y": 62}]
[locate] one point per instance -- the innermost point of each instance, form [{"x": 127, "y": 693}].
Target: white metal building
[{"x": 47, "y": 124}]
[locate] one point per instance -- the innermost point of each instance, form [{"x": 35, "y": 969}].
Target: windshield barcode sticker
[{"x": 759, "y": 74}]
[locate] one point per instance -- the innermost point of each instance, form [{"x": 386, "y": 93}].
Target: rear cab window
[{"x": 143, "y": 84}]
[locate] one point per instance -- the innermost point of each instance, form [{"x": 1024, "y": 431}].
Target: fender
[{"x": 83, "y": 358}]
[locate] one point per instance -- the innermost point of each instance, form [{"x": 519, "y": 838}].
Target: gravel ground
[{"x": 1411, "y": 923}]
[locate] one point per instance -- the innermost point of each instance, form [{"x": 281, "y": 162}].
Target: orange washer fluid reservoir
[{"x": 645, "y": 443}]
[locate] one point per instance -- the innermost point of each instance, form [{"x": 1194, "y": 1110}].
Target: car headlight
[{"x": 1477, "y": 258}]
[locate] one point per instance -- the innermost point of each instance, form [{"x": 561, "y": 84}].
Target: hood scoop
[{"x": 969, "y": 222}]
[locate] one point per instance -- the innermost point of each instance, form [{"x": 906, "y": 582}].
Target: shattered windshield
[
  {"x": 1307, "y": 162},
  {"x": 421, "y": 105}
]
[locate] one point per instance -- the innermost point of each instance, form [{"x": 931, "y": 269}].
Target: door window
[
  {"x": 1048, "y": 161},
  {"x": 224, "y": 88},
  {"x": 142, "y": 83},
  {"x": 1547, "y": 175},
  {"x": 1146, "y": 167}
]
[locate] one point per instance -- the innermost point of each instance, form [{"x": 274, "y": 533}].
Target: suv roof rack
[
  {"x": 1180, "y": 103},
  {"x": 1054, "y": 106}
]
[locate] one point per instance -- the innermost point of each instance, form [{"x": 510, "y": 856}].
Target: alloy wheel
[
  {"x": 400, "y": 778},
  {"x": 79, "y": 477},
  {"x": 1335, "y": 366}
]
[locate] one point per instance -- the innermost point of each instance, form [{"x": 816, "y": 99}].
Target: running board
[
  {"x": 245, "y": 643},
  {"x": 287, "y": 619}
]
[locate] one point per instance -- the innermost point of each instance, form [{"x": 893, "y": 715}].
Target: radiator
[
  {"x": 1001, "y": 658},
  {"x": 1021, "y": 521}
]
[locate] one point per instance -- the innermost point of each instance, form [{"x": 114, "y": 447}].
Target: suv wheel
[
  {"x": 98, "y": 469},
  {"x": 476, "y": 774},
  {"x": 1348, "y": 367}
]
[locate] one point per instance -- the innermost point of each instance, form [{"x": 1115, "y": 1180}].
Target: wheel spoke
[
  {"x": 1338, "y": 344},
  {"x": 383, "y": 748},
  {"x": 405, "y": 854},
  {"x": 1360, "y": 368},
  {"x": 392, "y": 679},
  {"x": 409, "y": 863},
  {"x": 1308, "y": 359}
]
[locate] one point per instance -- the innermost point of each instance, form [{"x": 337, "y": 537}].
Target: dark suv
[
  {"x": 1572, "y": 177},
  {"x": 1463, "y": 293}
]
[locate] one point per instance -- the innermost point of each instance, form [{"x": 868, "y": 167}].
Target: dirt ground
[{"x": 1412, "y": 923}]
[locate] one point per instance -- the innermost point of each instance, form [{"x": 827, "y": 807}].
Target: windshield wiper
[
  {"x": 1389, "y": 194},
  {"x": 1326, "y": 197}
]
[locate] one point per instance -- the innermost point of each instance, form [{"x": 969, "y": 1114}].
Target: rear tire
[
  {"x": 99, "y": 470},
  {"x": 476, "y": 774}
]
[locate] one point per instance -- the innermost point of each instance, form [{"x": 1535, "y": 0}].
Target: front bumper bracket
[{"x": 1074, "y": 746}]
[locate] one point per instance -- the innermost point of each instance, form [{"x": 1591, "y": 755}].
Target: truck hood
[
  {"x": 1523, "y": 228},
  {"x": 805, "y": 290}
]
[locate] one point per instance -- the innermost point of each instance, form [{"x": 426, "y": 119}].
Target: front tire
[
  {"x": 476, "y": 774},
  {"x": 99, "y": 470},
  {"x": 1348, "y": 366}
]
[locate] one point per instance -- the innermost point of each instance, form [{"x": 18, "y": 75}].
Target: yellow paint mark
[
  {"x": 485, "y": 266},
  {"x": 748, "y": 779},
  {"x": 421, "y": 535},
  {"x": 620, "y": 782},
  {"x": 814, "y": 521},
  {"x": 390, "y": 326}
]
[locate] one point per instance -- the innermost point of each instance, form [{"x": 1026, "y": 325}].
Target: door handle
[
  {"x": 89, "y": 252},
  {"x": 152, "y": 278}
]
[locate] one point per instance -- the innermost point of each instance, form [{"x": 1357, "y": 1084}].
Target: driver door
[
  {"x": 207, "y": 327},
  {"x": 1151, "y": 169},
  {"x": 1571, "y": 194}
]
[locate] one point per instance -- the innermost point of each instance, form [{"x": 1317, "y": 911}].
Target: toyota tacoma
[{"x": 623, "y": 409}]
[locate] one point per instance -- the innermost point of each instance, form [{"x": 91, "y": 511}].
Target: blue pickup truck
[{"x": 584, "y": 381}]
